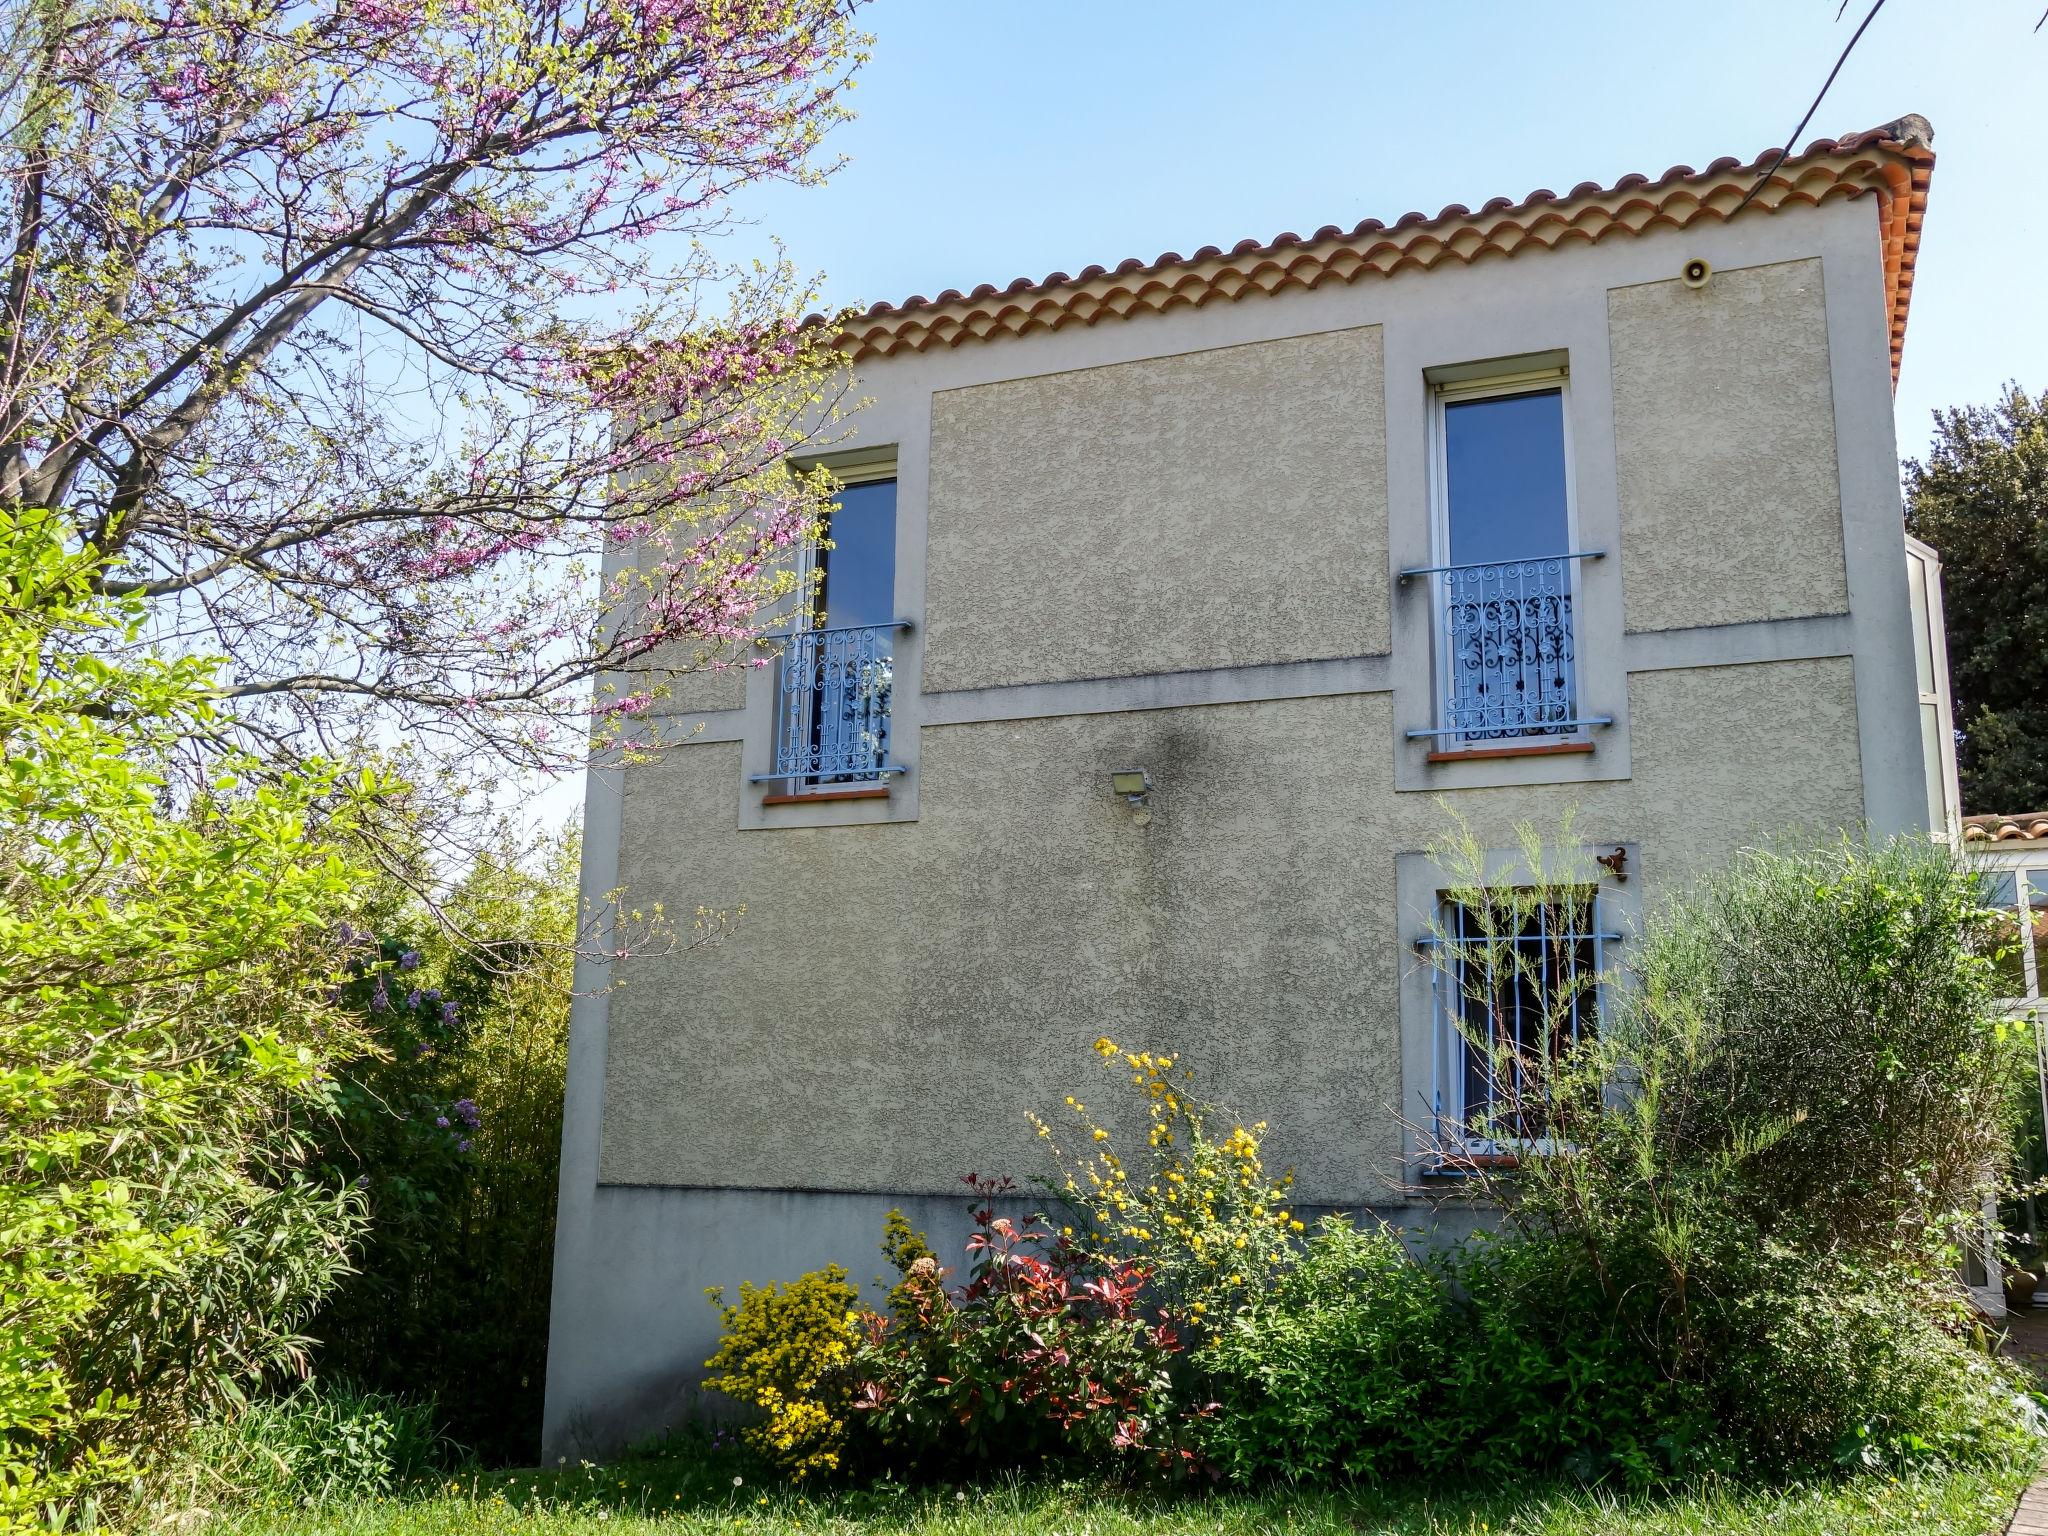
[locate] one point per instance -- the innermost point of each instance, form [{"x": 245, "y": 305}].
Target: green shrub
[
  {"x": 1829, "y": 1013},
  {"x": 1044, "y": 1355},
  {"x": 1722, "y": 1247},
  {"x": 787, "y": 1350},
  {"x": 451, "y": 1128},
  {"x": 165, "y": 1041},
  {"x": 1728, "y": 1248},
  {"x": 1337, "y": 1371},
  {"x": 325, "y": 1443}
]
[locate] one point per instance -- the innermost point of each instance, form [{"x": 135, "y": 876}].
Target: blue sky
[{"x": 998, "y": 141}]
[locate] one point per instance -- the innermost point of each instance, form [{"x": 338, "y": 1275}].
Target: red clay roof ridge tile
[{"x": 1998, "y": 827}]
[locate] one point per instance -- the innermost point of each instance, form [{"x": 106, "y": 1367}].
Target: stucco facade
[{"x": 1176, "y": 541}]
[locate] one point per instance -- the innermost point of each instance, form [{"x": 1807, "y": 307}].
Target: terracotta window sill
[
  {"x": 1464, "y": 1167},
  {"x": 1545, "y": 749},
  {"x": 825, "y": 796}
]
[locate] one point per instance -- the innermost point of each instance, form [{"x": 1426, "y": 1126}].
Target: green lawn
[{"x": 683, "y": 1495}]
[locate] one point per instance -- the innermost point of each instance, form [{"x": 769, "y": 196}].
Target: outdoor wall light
[{"x": 1134, "y": 784}]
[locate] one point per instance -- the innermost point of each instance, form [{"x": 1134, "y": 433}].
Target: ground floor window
[{"x": 1517, "y": 984}]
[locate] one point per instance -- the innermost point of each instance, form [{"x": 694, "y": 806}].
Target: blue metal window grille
[
  {"x": 1508, "y": 649},
  {"x": 1508, "y": 993},
  {"x": 832, "y": 706}
]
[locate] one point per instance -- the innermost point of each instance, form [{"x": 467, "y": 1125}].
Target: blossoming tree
[{"x": 352, "y": 332}]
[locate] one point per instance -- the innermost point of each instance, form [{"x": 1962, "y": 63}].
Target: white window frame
[
  {"x": 2027, "y": 878},
  {"x": 1458, "y": 392},
  {"x": 1930, "y": 644}
]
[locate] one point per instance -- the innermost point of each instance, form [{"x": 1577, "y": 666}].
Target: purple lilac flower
[
  {"x": 432, "y": 995},
  {"x": 380, "y": 1000},
  {"x": 412, "y": 1000},
  {"x": 462, "y": 1146},
  {"x": 447, "y": 1013},
  {"x": 441, "y": 1121},
  {"x": 409, "y": 961},
  {"x": 466, "y": 1111}
]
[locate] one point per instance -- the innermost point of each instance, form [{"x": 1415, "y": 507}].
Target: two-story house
[{"x": 1165, "y": 604}]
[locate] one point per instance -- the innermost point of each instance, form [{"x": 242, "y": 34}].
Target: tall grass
[{"x": 326, "y": 1443}]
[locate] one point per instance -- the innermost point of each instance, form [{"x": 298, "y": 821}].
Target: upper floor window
[
  {"x": 1505, "y": 585},
  {"x": 837, "y": 670}
]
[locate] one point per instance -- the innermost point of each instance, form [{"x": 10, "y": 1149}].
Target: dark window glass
[
  {"x": 1524, "y": 983},
  {"x": 1504, "y": 464},
  {"x": 860, "y": 567}
]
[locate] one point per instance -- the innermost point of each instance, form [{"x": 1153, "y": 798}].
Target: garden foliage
[
  {"x": 1046, "y": 1352},
  {"x": 786, "y": 1351},
  {"x": 167, "y": 1041},
  {"x": 1716, "y": 1232},
  {"x": 1333, "y": 1371},
  {"x": 325, "y": 1442},
  {"x": 450, "y": 1126}
]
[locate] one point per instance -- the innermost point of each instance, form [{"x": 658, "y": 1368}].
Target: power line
[{"x": 1793, "y": 137}]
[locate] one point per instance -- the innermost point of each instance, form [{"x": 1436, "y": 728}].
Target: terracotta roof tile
[
  {"x": 1894, "y": 163},
  {"x": 2029, "y": 826}
]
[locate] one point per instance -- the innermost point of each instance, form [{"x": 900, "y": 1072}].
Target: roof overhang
[{"x": 1892, "y": 164}]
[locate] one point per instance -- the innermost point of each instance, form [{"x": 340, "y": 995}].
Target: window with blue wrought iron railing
[
  {"x": 836, "y": 672},
  {"x": 1505, "y": 585},
  {"x": 1517, "y": 983}
]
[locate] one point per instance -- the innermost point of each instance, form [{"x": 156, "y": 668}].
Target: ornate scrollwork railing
[
  {"x": 1509, "y": 649},
  {"x": 832, "y": 705}
]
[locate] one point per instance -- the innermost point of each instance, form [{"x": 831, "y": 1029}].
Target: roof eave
[{"x": 1895, "y": 163}]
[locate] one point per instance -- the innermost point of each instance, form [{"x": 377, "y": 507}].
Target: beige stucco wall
[
  {"x": 707, "y": 680},
  {"x": 1217, "y": 508},
  {"x": 895, "y": 998},
  {"x": 1725, "y": 459}
]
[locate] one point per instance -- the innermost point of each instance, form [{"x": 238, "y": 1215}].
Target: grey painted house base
[{"x": 625, "y": 1360}]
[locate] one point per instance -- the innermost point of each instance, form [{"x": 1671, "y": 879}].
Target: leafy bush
[
  {"x": 1337, "y": 1372},
  {"x": 787, "y": 1350},
  {"x": 1723, "y": 1243},
  {"x": 1212, "y": 1228},
  {"x": 166, "y": 1041},
  {"x": 451, "y": 1128},
  {"x": 1830, "y": 1011},
  {"x": 1729, "y": 1245},
  {"x": 1043, "y": 1356},
  {"x": 325, "y": 1443}
]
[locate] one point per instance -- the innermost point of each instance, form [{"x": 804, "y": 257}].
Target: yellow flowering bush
[
  {"x": 1196, "y": 1205},
  {"x": 785, "y": 1349}
]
